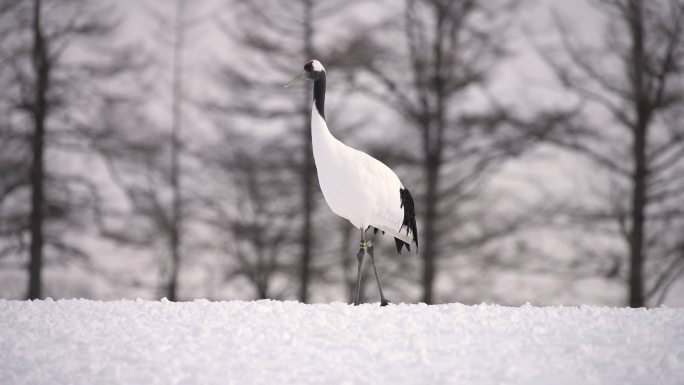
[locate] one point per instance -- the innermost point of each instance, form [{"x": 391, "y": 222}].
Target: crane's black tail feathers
[{"x": 409, "y": 221}]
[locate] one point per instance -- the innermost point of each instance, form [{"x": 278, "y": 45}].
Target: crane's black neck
[{"x": 319, "y": 94}]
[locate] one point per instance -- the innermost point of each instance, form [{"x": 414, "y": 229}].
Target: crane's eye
[{"x": 308, "y": 67}]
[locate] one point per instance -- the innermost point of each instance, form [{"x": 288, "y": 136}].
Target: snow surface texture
[{"x": 269, "y": 342}]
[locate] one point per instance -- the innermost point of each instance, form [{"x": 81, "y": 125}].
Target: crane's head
[{"x": 313, "y": 70}]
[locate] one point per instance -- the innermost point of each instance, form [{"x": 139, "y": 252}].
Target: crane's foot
[{"x": 385, "y": 302}]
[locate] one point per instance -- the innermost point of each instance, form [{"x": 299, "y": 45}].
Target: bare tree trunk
[
  {"x": 308, "y": 166},
  {"x": 177, "y": 116},
  {"x": 639, "y": 199},
  {"x": 42, "y": 72},
  {"x": 429, "y": 250},
  {"x": 636, "y": 286},
  {"x": 261, "y": 272},
  {"x": 433, "y": 132}
]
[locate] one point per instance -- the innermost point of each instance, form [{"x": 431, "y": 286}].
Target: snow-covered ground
[{"x": 269, "y": 342}]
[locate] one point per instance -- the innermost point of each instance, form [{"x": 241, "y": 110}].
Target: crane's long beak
[{"x": 295, "y": 79}]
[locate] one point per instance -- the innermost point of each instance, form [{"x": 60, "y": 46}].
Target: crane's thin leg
[
  {"x": 383, "y": 300},
  {"x": 359, "y": 257}
]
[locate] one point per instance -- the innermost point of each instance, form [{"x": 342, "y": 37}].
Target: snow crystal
[{"x": 270, "y": 342}]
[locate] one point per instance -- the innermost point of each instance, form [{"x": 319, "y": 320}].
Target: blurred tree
[
  {"x": 41, "y": 69},
  {"x": 636, "y": 79},
  {"x": 15, "y": 156},
  {"x": 50, "y": 81},
  {"x": 278, "y": 38},
  {"x": 256, "y": 181},
  {"x": 434, "y": 56},
  {"x": 176, "y": 218},
  {"x": 150, "y": 171}
]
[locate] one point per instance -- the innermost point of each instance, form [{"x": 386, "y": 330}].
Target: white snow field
[{"x": 270, "y": 342}]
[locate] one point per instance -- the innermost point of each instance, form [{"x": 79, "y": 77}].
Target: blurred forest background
[{"x": 148, "y": 148}]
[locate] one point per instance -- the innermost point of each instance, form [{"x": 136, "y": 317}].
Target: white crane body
[{"x": 355, "y": 185}]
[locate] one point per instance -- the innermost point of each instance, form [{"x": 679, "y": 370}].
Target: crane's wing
[
  {"x": 362, "y": 189},
  {"x": 408, "y": 232},
  {"x": 393, "y": 206}
]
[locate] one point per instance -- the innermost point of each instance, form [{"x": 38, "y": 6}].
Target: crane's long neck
[
  {"x": 319, "y": 95},
  {"x": 324, "y": 143}
]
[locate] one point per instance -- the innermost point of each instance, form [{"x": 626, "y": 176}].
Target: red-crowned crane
[{"x": 357, "y": 186}]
